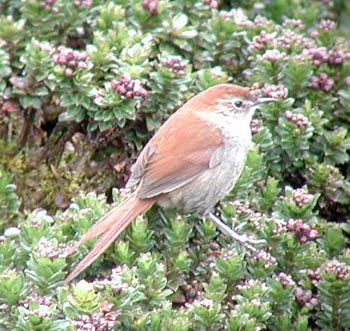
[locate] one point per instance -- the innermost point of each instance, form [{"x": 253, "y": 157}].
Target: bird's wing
[{"x": 177, "y": 154}]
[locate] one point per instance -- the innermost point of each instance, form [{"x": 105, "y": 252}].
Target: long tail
[{"x": 109, "y": 227}]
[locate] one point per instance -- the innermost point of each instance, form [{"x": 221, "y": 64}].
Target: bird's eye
[{"x": 238, "y": 104}]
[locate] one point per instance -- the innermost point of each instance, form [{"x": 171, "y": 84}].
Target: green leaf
[
  {"x": 66, "y": 100},
  {"x": 333, "y": 241},
  {"x": 30, "y": 102},
  {"x": 40, "y": 91},
  {"x": 179, "y": 21}
]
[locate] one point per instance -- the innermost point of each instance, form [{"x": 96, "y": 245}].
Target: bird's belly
[{"x": 201, "y": 194}]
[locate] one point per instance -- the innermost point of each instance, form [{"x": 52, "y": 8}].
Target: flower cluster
[
  {"x": 114, "y": 281},
  {"x": 299, "y": 120},
  {"x": 44, "y": 46},
  {"x": 274, "y": 91},
  {"x": 151, "y": 6},
  {"x": 314, "y": 275},
  {"x": 321, "y": 82},
  {"x": 327, "y": 25},
  {"x": 284, "y": 41},
  {"x": 261, "y": 21},
  {"x": 294, "y": 23},
  {"x": 104, "y": 320},
  {"x": 265, "y": 257},
  {"x": 255, "y": 126},
  {"x": 279, "y": 226},
  {"x": 9, "y": 107},
  {"x": 241, "y": 209},
  {"x": 212, "y": 3},
  {"x": 237, "y": 16},
  {"x": 207, "y": 303},
  {"x": 339, "y": 269},
  {"x": 38, "y": 218},
  {"x": 255, "y": 218},
  {"x": 175, "y": 65},
  {"x": 191, "y": 292},
  {"x": 128, "y": 87},
  {"x": 248, "y": 284},
  {"x": 49, "y": 5},
  {"x": 262, "y": 40},
  {"x": 82, "y": 3},
  {"x": 316, "y": 55},
  {"x": 250, "y": 215},
  {"x": 71, "y": 59},
  {"x": 305, "y": 298},
  {"x": 300, "y": 197},
  {"x": 228, "y": 254},
  {"x": 320, "y": 55},
  {"x": 302, "y": 231},
  {"x": 45, "y": 248},
  {"x": 36, "y": 305},
  {"x": 273, "y": 55},
  {"x": 337, "y": 56},
  {"x": 285, "y": 280},
  {"x": 289, "y": 38}
]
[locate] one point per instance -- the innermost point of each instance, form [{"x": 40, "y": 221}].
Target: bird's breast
[{"x": 213, "y": 184}]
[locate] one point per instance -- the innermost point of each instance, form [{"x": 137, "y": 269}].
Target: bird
[{"x": 191, "y": 163}]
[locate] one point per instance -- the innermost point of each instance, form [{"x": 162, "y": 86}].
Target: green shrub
[{"x": 85, "y": 83}]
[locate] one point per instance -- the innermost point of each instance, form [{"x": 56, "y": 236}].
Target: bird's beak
[{"x": 264, "y": 100}]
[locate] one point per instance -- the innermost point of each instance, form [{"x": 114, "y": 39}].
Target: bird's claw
[{"x": 242, "y": 239}]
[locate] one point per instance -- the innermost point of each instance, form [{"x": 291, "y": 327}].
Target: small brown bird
[{"x": 191, "y": 163}]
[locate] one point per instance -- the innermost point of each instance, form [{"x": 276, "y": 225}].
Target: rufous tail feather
[{"x": 109, "y": 227}]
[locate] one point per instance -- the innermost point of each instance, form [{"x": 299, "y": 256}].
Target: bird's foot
[{"x": 242, "y": 239}]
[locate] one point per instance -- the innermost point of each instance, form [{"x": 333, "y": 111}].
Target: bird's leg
[{"x": 242, "y": 239}]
